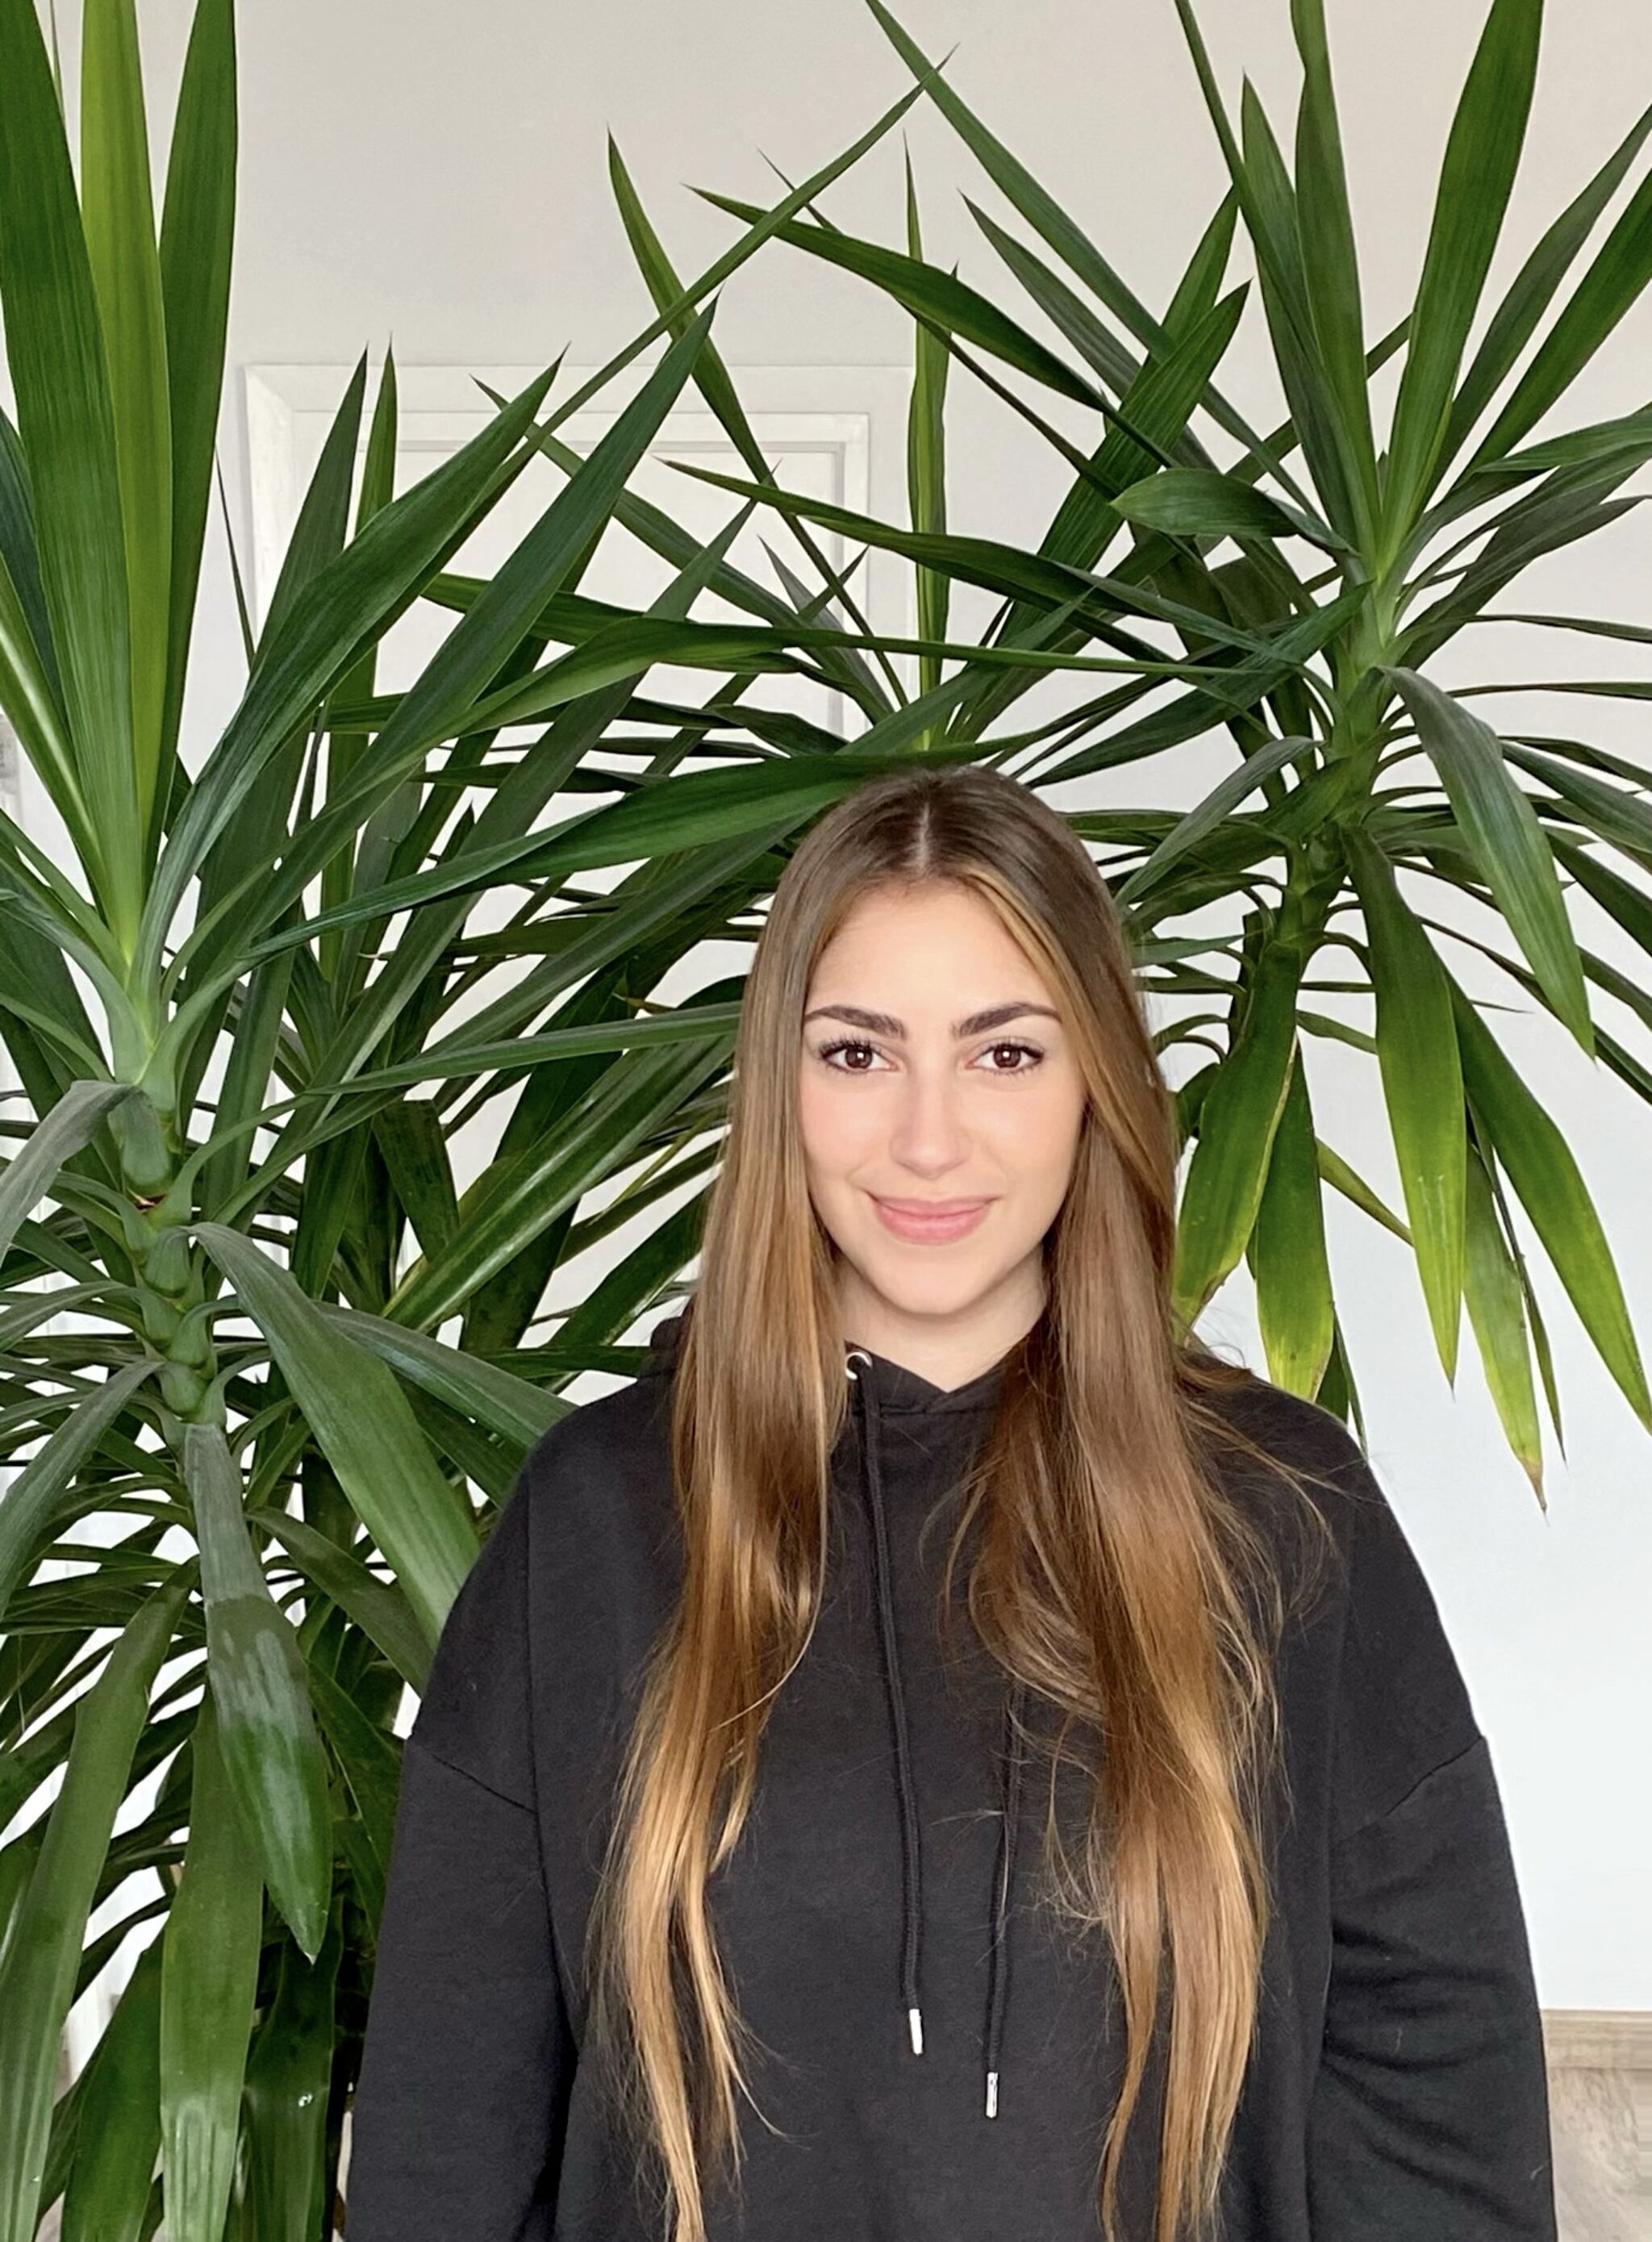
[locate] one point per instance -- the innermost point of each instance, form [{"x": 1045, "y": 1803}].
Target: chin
[{"x": 928, "y": 1292}]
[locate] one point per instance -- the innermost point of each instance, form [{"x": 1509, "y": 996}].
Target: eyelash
[{"x": 826, "y": 1053}]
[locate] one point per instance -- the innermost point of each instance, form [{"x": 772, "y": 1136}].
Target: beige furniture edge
[
  {"x": 1598, "y": 2039},
  {"x": 1600, "y": 2080}
]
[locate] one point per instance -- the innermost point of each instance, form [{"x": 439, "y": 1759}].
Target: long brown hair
[{"x": 1114, "y": 1575}]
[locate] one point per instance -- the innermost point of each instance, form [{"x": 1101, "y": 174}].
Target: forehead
[
  {"x": 924, "y": 933},
  {"x": 898, "y": 968}
]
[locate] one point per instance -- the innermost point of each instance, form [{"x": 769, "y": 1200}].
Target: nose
[{"x": 929, "y": 1133}]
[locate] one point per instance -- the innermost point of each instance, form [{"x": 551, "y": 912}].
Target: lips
[{"x": 930, "y": 1221}]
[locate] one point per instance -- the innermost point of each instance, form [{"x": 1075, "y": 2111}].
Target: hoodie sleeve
[
  {"x": 1429, "y": 2115},
  {"x": 459, "y": 2112}
]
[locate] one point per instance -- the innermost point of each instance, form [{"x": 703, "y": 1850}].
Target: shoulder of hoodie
[
  {"x": 1402, "y": 1706},
  {"x": 574, "y": 1571},
  {"x": 593, "y": 1513},
  {"x": 577, "y": 1566},
  {"x": 1306, "y": 1436},
  {"x": 607, "y": 1454},
  {"x": 1379, "y": 1566}
]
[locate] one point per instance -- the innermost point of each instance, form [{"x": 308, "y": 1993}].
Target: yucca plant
[
  {"x": 253, "y": 1333},
  {"x": 1308, "y": 582}
]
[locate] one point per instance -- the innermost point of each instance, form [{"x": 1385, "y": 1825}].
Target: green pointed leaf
[
  {"x": 1289, "y": 1260},
  {"x": 1482, "y": 158},
  {"x": 1187, "y": 502},
  {"x": 30, "y": 697},
  {"x": 197, "y": 230},
  {"x": 20, "y": 550},
  {"x": 1534, "y": 1154},
  {"x": 1422, "y": 1086},
  {"x": 209, "y": 1978},
  {"x": 1200, "y": 286},
  {"x": 1559, "y": 514},
  {"x": 1108, "y": 355},
  {"x": 1336, "y": 1171},
  {"x": 253, "y": 835},
  {"x": 928, "y": 293},
  {"x": 119, "y": 2126},
  {"x": 341, "y": 952},
  {"x": 366, "y": 1428},
  {"x": 372, "y": 1765},
  {"x": 412, "y": 1140},
  {"x": 716, "y": 384},
  {"x": 1329, "y": 264},
  {"x": 266, "y": 1730},
  {"x": 1497, "y": 1314},
  {"x": 1034, "y": 202},
  {"x": 501, "y": 1403},
  {"x": 926, "y": 457},
  {"x": 321, "y": 531},
  {"x": 513, "y": 1201},
  {"x": 1152, "y": 419},
  {"x": 1618, "y": 816},
  {"x": 1046, "y": 216},
  {"x": 456, "y": 1055},
  {"x": 999, "y": 567},
  {"x": 1237, "y": 1122},
  {"x": 732, "y": 258},
  {"x": 43, "y": 1958},
  {"x": 1270, "y": 203},
  {"x": 119, "y": 217},
  {"x": 351, "y": 601},
  {"x": 244, "y": 1094},
  {"x": 1535, "y": 286},
  {"x": 72, "y": 1122},
  {"x": 1150, "y": 422},
  {"x": 1502, "y": 828},
  {"x": 40, "y": 1488},
  {"x": 378, "y": 1609},
  {"x": 1622, "y": 899},
  {"x": 1219, "y": 804},
  {"x": 1605, "y": 296},
  {"x": 54, "y": 345},
  {"x": 494, "y": 625},
  {"x": 285, "y": 2113}
]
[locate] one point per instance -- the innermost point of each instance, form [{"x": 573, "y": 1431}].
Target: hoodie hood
[
  {"x": 882, "y": 1390},
  {"x": 898, "y": 1389}
]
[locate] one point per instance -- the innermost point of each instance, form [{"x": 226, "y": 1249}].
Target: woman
[{"x": 939, "y": 1703}]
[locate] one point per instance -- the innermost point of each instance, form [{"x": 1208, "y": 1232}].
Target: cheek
[
  {"x": 1037, "y": 1129},
  {"x": 835, "y": 1129}
]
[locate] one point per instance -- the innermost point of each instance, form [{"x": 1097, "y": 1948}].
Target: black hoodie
[{"x": 938, "y": 2053}]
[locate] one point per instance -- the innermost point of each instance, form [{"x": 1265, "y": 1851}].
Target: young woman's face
[{"x": 936, "y": 1074}]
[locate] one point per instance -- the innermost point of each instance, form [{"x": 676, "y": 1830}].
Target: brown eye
[
  {"x": 827, "y": 1052},
  {"x": 1029, "y": 1050}
]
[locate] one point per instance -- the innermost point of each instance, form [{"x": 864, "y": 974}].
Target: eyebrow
[{"x": 884, "y": 1024}]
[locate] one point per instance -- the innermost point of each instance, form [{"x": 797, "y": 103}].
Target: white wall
[{"x": 438, "y": 174}]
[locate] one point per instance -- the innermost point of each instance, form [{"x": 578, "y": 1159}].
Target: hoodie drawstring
[
  {"x": 998, "y": 1967},
  {"x": 912, "y": 1854}
]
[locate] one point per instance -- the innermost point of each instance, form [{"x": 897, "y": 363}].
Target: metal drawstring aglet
[
  {"x": 992, "y": 2093},
  {"x": 915, "y": 2019}
]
